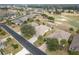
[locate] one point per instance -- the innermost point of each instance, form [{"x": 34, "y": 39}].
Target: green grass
[
  {"x": 3, "y": 34},
  {"x": 39, "y": 42},
  {"x": 74, "y": 21},
  {"x": 74, "y": 17},
  {"x": 57, "y": 16},
  {"x": 57, "y": 52}
]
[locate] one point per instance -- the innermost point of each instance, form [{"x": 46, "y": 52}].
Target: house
[
  {"x": 17, "y": 22},
  {"x": 20, "y": 20},
  {"x": 38, "y": 10},
  {"x": 75, "y": 43},
  {"x": 42, "y": 29},
  {"x": 60, "y": 34}
]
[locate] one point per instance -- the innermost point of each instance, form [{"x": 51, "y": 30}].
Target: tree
[
  {"x": 52, "y": 44},
  {"x": 29, "y": 20},
  {"x": 37, "y": 20},
  {"x": 27, "y": 31},
  {"x": 71, "y": 29},
  {"x": 9, "y": 22},
  {"x": 8, "y": 39},
  {"x": 25, "y": 22},
  {"x": 51, "y": 19},
  {"x": 15, "y": 46},
  {"x": 2, "y": 32},
  {"x": 44, "y": 15},
  {"x": 57, "y": 11}
]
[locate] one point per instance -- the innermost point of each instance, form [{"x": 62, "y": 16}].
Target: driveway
[{"x": 33, "y": 39}]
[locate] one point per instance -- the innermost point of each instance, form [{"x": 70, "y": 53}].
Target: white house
[{"x": 42, "y": 29}]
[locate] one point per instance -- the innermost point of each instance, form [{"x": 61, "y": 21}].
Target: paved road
[{"x": 34, "y": 50}]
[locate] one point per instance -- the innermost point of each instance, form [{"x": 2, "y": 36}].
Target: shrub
[
  {"x": 15, "y": 46},
  {"x": 2, "y": 32},
  {"x": 8, "y": 39},
  {"x": 71, "y": 29}
]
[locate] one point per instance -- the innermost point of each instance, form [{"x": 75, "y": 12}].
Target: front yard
[
  {"x": 3, "y": 34},
  {"x": 58, "y": 52},
  {"x": 39, "y": 42},
  {"x": 12, "y": 46}
]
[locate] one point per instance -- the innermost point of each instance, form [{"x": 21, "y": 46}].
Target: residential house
[
  {"x": 75, "y": 43},
  {"x": 60, "y": 34},
  {"x": 18, "y": 22},
  {"x": 42, "y": 29}
]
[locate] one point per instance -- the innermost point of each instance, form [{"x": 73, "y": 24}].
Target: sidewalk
[{"x": 23, "y": 52}]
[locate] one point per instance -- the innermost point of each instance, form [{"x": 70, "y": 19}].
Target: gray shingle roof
[
  {"x": 75, "y": 43},
  {"x": 60, "y": 34}
]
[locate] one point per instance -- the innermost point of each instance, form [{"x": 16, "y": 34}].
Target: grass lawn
[
  {"x": 73, "y": 17},
  {"x": 10, "y": 49},
  {"x": 73, "y": 20},
  {"x": 3, "y": 34},
  {"x": 57, "y": 16},
  {"x": 39, "y": 42},
  {"x": 58, "y": 52}
]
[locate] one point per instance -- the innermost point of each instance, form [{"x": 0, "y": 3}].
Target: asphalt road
[{"x": 34, "y": 50}]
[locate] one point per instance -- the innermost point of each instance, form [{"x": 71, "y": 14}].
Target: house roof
[
  {"x": 75, "y": 43},
  {"x": 22, "y": 19},
  {"x": 41, "y": 29},
  {"x": 18, "y": 21},
  {"x": 60, "y": 34}
]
